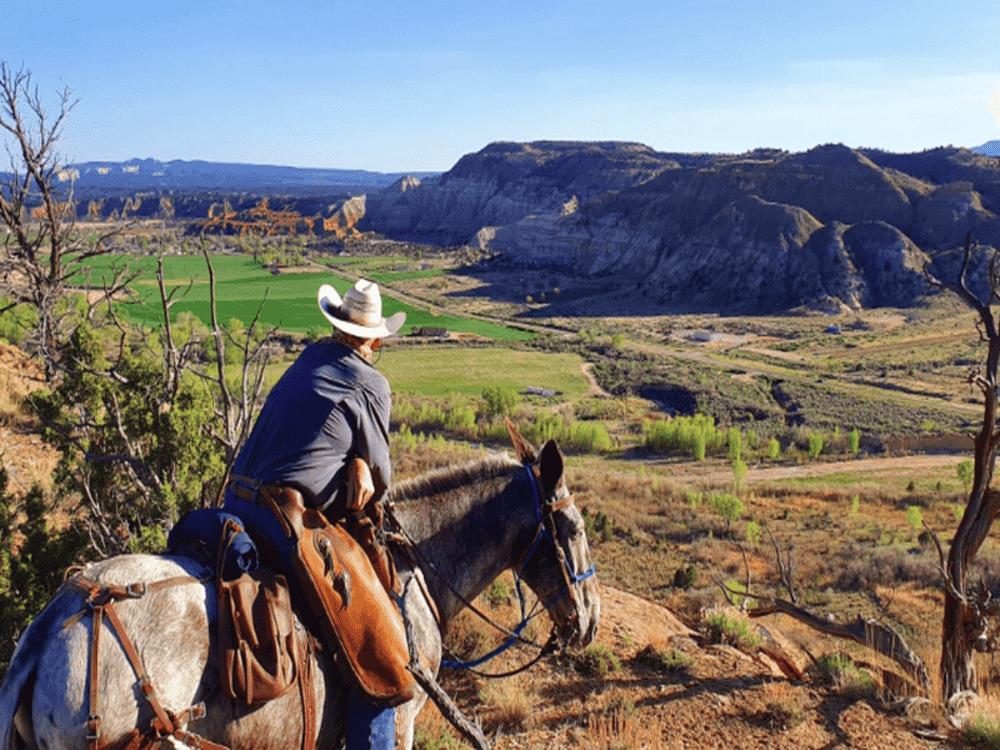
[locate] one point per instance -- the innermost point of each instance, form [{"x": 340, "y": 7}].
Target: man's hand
[{"x": 360, "y": 487}]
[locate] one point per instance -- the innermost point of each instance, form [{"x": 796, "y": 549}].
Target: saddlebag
[
  {"x": 347, "y": 596},
  {"x": 256, "y": 632}
]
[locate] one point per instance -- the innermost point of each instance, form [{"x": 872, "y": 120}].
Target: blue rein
[{"x": 572, "y": 576}]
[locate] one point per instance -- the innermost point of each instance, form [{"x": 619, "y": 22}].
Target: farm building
[{"x": 432, "y": 332}]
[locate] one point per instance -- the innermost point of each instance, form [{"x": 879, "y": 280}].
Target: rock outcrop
[
  {"x": 762, "y": 231},
  {"x": 506, "y": 182}
]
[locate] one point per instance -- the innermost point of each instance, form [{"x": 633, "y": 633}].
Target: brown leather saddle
[
  {"x": 347, "y": 581},
  {"x": 349, "y": 587}
]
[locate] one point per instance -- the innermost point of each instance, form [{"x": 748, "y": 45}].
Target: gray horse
[{"x": 469, "y": 524}]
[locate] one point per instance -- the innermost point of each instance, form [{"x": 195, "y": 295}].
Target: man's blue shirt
[{"x": 330, "y": 406}]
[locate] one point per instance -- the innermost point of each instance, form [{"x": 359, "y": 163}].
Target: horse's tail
[{"x": 24, "y": 662}]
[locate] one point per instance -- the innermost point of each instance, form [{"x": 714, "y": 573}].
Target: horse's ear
[
  {"x": 550, "y": 467},
  {"x": 524, "y": 450}
]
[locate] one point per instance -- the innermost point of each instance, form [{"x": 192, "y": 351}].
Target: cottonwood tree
[
  {"x": 41, "y": 252},
  {"x": 968, "y": 606}
]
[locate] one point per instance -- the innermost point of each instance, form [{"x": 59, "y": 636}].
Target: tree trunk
[{"x": 957, "y": 670}]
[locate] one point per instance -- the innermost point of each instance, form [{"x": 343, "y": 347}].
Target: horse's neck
[{"x": 469, "y": 535}]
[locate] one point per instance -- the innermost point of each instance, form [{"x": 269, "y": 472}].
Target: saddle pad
[{"x": 346, "y": 594}]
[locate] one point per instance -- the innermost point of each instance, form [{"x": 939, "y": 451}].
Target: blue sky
[{"x": 414, "y": 84}]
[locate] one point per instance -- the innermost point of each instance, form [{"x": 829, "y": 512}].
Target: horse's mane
[{"x": 449, "y": 478}]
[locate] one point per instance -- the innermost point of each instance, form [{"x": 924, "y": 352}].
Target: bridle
[{"x": 545, "y": 509}]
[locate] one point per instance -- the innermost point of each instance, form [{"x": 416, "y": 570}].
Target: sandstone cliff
[{"x": 765, "y": 230}]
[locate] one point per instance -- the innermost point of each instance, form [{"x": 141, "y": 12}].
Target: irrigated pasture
[
  {"x": 440, "y": 370},
  {"x": 243, "y": 284}
]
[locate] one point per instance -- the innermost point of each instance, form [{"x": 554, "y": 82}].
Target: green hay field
[
  {"x": 445, "y": 370},
  {"x": 440, "y": 370},
  {"x": 242, "y": 284}
]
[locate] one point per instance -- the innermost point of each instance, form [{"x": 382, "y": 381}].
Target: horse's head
[{"x": 557, "y": 564}]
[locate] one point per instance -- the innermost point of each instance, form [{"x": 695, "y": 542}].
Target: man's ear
[
  {"x": 524, "y": 450},
  {"x": 550, "y": 468}
]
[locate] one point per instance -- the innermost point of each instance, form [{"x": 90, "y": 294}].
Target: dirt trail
[
  {"x": 718, "y": 472},
  {"x": 595, "y": 388}
]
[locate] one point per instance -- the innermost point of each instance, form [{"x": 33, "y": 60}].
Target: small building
[
  {"x": 430, "y": 331},
  {"x": 534, "y": 390},
  {"x": 702, "y": 337}
]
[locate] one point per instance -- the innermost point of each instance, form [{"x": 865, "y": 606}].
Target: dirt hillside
[{"x": 701, "y": 696}]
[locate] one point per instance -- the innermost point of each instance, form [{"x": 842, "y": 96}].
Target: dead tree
[
  {"x": 115, "y": 440},
  {"x": 237, "y": 404},
  {"x": 41, "y": 254},
  {"x": 867, "y": 632},
  {"x": 967, "y": 607}
]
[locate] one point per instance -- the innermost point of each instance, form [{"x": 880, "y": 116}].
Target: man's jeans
[{"x": 368, "y": 726}]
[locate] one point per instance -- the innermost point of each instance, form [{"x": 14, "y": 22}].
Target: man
[{"x": 324, "y": 432}]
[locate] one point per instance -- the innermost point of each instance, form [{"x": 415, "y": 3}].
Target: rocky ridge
[{"x": 831, "y": 227}]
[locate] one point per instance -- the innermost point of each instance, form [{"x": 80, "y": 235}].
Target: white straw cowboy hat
[{"x": 359, "y": 312}]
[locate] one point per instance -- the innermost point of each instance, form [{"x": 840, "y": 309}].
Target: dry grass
[
  {"x": 619, "y": 728},
  {"x": 433, "y": 732},
  {"x": 982, "y": 727},
  {"x": 17, "y": 379},
  {"x": 510, "y": 702}
]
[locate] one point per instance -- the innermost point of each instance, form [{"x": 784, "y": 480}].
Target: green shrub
[
  {"x": 815, "y": 444},
  {"x": 739, "y": 474},
  {"x": 694, "y": 499},
  {"x": 734, "y": 630},
  {"x": 597, "y": 660},
  {"x": 739, "y": 594},
  {"x": 982, "y": 729},
  {"x": 698, "y": 448},
  {"x": 840, "y": 671},
  {"x": 729, "y": 507},
  {"x": 663, "y": 659},
  {"x": 855, "y": 505},
  {"x": 853, "y": 442},
  {"x": 694, "y": 435},
  {"x": 685, "y": 577},
  {"x": 734, "y": 444},
  {"x": 753, "y": 533},
  {"x": 965, "y": 471},
  {"x": 499, "y": 401},
  {"x": 30, "y": 576},
  {"x": 498, "y": 593},
  {"x": 914, "y": 517},
  {"x": 16, "y": 323},
  {"x": 773, "y": 449},
  {"x": 598, "y": 527},
  {"x": 586, "y": 437},
  {"x": 544, "y": 428}
]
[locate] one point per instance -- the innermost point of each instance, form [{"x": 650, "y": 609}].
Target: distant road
[{"x": 718, "y": 473}]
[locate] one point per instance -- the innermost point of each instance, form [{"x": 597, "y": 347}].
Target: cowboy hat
[{"x": 359, "y": 312}]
